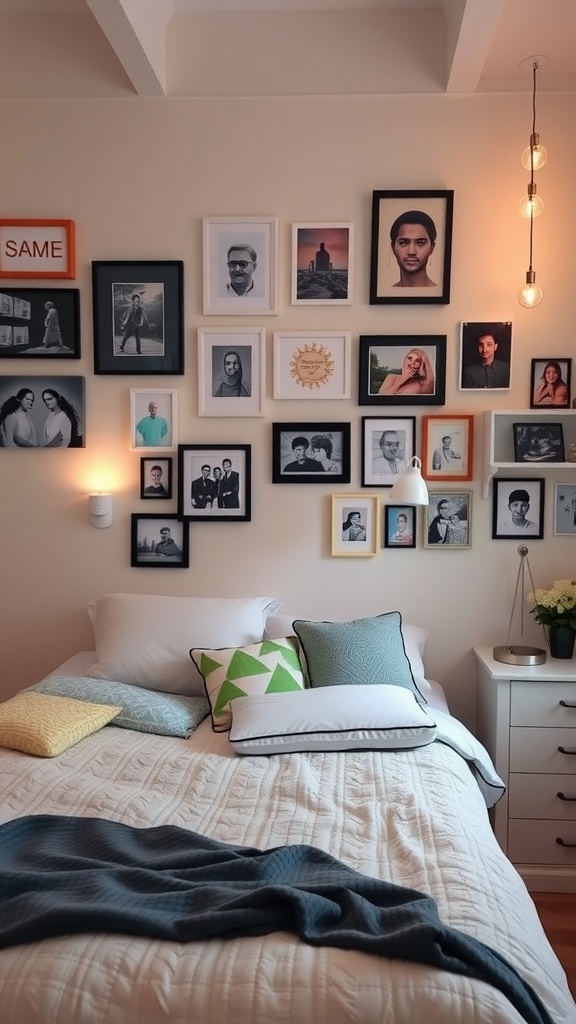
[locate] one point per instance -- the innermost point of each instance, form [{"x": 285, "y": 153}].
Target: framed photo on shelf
[
  {"x": 40, "y": 322},
  {"x": 447, "y": 447},
  {"x": 240, "y": 265},
  {"x": 565, "y": 510},
  {"x": 45, "y": 411},
  {"x": 159, "y": 542},
  {"x": 355, "y": 524},
  {"x": 214, "y": 482},
  {"x": 538, "y": 442},
  {"x": 138, "y": 317},
  {"x": 517, "y": 508},
  {"x": 402, "y": 369},
  {"x": 154, "y": 418},
  {"x": 399, "y": 526},
  {"x": 37, "y": 248},
  {"x": 322, "y": 267},
  {"x": 388, "y": 444},
  {"x": 155, "y": 478},
  {"x": 310, "y": 453},
  {"x": 313, "y": 365},
  {"x": 411, "y": 246},
  {"x": 550, "y": 383},
  {"x": 485, "y": 355},
  {"x": 231, "y": 371},
  {"x": 448, "y": 520}
]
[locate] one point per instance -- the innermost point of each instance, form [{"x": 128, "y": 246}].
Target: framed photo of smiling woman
[{"x": 411, "y": 246}]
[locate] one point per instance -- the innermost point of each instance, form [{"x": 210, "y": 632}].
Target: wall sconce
[
  {"x": 101, "y": 510},
  {"x": 533, "y": 157},
  {"x": 410, "y": 488}
]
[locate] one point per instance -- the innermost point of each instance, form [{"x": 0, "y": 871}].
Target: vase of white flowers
[{"x": 556, "y": 608}]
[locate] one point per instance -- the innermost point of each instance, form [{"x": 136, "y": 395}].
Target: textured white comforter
[{"x": 414, "y": 817}]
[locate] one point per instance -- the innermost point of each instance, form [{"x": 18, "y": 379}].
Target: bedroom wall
[{"x": 137, "y": 176}]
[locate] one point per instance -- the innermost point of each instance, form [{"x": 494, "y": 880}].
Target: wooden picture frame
[
  {"x": 355, "y": 525},
  {"x": 39, "y": 322},
  {"x": 396, "y": 369},
  {"x": 448, "y": 447},
  {"x": 322, "y": 264},
  {"x": 565, "y": 510},
  {"x": 246, "y": 285},
  {"x": 231, "y": 371},
  {"x": 538, "y": 442},
  {"x": 550, "y": 381},
  {"x": 310, "y": 453},
  {"x": 37, "y": 248},
  {"x": 222, "y": 494},
  {"x": 46, "y": 411},
  {"x": 159, "y": 541},
  {"x": 155, "y": 478},
  {"x": 400, "y": 522},
  {"x": 411, "y": 246},
  {"x": 526, "y": 519},
  {"x": 485, "y": 355},
  {"x": 154, "y": 428},
  {"x": 138, "y": 313},
  {"x": 388, "y": 445},
  {"x": 448, "y": 520},
  {"x": 313, "y": 365}
]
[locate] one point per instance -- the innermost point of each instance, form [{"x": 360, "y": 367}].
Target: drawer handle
[
  {"x": 564, "y": 751},
  {"x": 562, "y": 796},
  {"x": 562, "y": 842},
  {"x": 567, "y": 703}
]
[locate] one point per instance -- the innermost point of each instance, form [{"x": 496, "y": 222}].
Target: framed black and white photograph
[
  {"x": 214, "y": 482},
  {"x": 310, "y": 453},
  {"x": 402, "y": 369},
  {"x": 231, "y": 367},
  {"x": 565, "y": 510},
  {"x": 411, "y": 246},
  {"x": 399, "y": 526},
  {"x": 45, "y": 411},
  {"x": 538, "y": 442},
  {"x": 312, "y": 365},
  {"x": 138, "y": 311},
  {"x": 155, "y": 478},
  {"x": 517, "y": 507},
  {"x": 448, "y": 520},
  {"x": 485, "y": 355},
  {"x": 159, "y": 542},
  {"x": 322, "y": 268},
  {"x": 40, "y": 322},
  {"x": 154, "y": 418},
  {"x": 550, "y": 383},
  {"x": 388, "y": 444},
  {"x": 355, "y": 525},
  {"x": 240, "y": 265},
  {"x": 447, "y": 447}
]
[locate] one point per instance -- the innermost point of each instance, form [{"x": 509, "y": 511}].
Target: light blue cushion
[
  {"x": 165, "y": 714},
  {"x": 368, "y": 651}
]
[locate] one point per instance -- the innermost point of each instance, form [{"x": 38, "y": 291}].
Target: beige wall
[{"x": 137, "y": 177}]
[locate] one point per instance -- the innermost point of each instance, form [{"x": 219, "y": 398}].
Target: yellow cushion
[{"x": 37, "y": 723}]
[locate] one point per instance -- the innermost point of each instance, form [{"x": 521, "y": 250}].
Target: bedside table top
[{"x": 552, "y": 669}]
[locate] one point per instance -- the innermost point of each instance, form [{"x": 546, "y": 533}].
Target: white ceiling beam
[
  {"x": 471, "y": 26},
  {"x": 136, "y": 31}
]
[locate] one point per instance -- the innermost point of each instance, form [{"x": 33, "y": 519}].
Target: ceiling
[{"x": 487, "y": 45}]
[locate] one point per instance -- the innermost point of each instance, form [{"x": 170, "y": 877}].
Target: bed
[{"x": 412, "y": 812}]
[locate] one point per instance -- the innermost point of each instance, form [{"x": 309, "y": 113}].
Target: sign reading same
[{"x": 37, "y": 248}]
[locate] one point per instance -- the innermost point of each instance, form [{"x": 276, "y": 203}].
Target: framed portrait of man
[
  {"x": 240, "y": 265},
  {"x": 517, "y": 508},
  {"x": 231, "y": 368},
  {"x": 411, "y": 246},
  {"x": 485, "y": 355}
]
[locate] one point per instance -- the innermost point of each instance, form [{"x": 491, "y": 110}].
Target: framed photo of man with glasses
[{"x": 240, "y": 265}]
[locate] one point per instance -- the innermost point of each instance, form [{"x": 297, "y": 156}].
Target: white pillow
[
  {"x": 346, "y": 717},
  {"x": 144, "y": 639},
  {"x": 415, "y": 638}
]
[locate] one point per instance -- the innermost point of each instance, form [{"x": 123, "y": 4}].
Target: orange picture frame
[
  {"x": 37, "y": 249},
  {"x": 447, "y": 447}
]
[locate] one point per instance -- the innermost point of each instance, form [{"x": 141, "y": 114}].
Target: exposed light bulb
[
  {"x": 531, "y": 205},
  {"x": 539, "y": 157},
  {"x": 530, "y": 294}
]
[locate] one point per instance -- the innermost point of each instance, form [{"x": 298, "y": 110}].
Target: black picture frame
[
  {"x": 42, "y": 429},
  {"x": 389, "y": 281},
  {"x": 384, "y": 459},
  {"x": 144, "y": 553},
  {"x": 538, "y": 442},
  {"x": 475, "y": 335},
  {"x": 230, "y": 502},
  {"x": 41, "y": 323},
  {"x": 333, "y": 454},
  {"x": 554, "y": 393},
  {"x": 157, "y": 288},
  {"x": 383, "y": 355},
  {"x": 155, "y": 486},
  {"x": 505, "y": 491},
  {"x": 394, "y": 535}
]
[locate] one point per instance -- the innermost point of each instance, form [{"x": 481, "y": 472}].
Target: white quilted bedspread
[{"x": 413, "y": 817}]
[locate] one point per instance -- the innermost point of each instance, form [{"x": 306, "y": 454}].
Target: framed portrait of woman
[
  {"x": 45, "y": 411},
  {"x": 402, "y": 369},
  {"x": 550, "y": 383}
]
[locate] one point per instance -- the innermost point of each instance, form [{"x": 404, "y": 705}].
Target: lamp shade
[{"x": 410, "y": 488}]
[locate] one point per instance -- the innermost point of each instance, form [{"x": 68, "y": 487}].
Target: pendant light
[{"x": 533, "y": 157}]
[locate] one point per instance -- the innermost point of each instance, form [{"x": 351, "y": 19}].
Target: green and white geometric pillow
[{"x": 271, "y": 666}]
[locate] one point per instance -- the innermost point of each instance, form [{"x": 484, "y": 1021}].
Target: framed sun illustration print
[
  {"x": 314, "y": 365},
  {"x": 322, "y": 264}
]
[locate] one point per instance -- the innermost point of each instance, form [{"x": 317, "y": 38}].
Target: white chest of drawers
[{"x": 526, "y": 719}]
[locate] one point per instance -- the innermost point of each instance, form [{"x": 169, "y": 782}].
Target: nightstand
[{"x": 526, "y": 719}]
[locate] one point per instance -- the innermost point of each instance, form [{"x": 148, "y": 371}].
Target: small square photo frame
[
  {"x": 400, "y": 526},
  {"x": 159, "y": 542},
  {"x": 154, "y": 419},
  {"x": 402, "y": 369},
  {"x": 312, "y": 365},
  {"x": 240, "y": 265},
  {"x": 355, "y": 525},
  {"x": 39, "y": 322},
  {"x": 485, "y": 355},
  {"x": 565, "y": 510},
  {"x": 214, "y": 482},
  {"x": 155, "y": 478},
  {"x": 388, "y": 445},
  {"x": 231, "y": 371},
  {"x": 322, "y": 264},
  {"x": 411, "y": 246},
  {"x": 447, "y": 447},
  {"x": 517, "y": 508},
  {"x": 447, "y": 524},
  {"x": 538, "y": 442},
  {"x": 310, "y": 453},
  {"x": 550, "y": 381}
]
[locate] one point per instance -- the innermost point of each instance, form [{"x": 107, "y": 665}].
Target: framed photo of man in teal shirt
[{"x": 153, "y": 418}]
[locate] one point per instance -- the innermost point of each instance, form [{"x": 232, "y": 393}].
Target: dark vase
[{"x": 562, "y": 641}]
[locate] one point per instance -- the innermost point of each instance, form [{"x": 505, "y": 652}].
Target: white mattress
[{"x": 413, "y": 817}]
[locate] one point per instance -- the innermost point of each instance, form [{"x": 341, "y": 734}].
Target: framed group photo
[
  {"x": 310, "y": 453},
  {"x": 398, "y": 369},
  {"x": 231, "y": 366},
  {"x": 240, "y": 265},
  {"x": 447, "y": 447},
  {"x": 42, "y": 412},
  {"x": 153, "y": 418},
  {"x": 411, "y": 246},
  {"x": 485, "y": 355},
  {"x": 322, "y": 267},
  {"x": 517, "y": 507},
  {"x": 159, "y": 542},
  {"x": 312, "y": 365},
  {"x": 40, "y": 322},
  {"x": 399, "y": 526},
  {"x": 538, "y": 442},
  {"x": 448, "y": 520},
  {"x": 565, "y": 510},
  {"x": 550, "y": 381},
  {"x": 214, "y": 482},
  {"x": 138, "y": 311},
  {"x": 388, "y": 445},
  {"x": 155, "y": 478},
  {"x": 355, "y": 525}
]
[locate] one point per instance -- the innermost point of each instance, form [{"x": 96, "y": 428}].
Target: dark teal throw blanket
[{"x": 64, "y": 875}]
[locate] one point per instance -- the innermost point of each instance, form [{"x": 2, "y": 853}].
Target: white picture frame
[
  {"x": 565, "y": 510},
  {"x": 154, "y": 438},
  {"x": 322, "y": 264},
  {"x": 360, "y": 512},
  {"x": 242, "y": 351},
  {"x": 312, "y": 365},
  {"x": 255, "y": 240}
]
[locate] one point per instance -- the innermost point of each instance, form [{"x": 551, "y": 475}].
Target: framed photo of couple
[
  {"x": 42, "y": 412},
  {"x": 411, "y": 246},
  {"x": 310, "y": 453}
]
